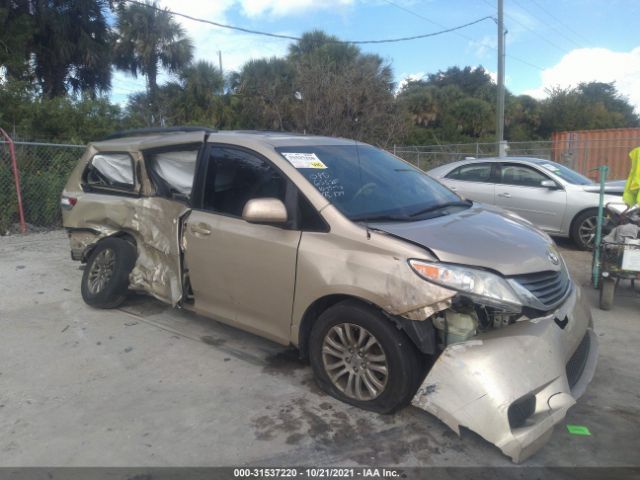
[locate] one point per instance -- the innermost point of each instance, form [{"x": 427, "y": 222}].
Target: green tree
[
  {"x": 16, "y": 32},
  {"x": 474, "y": 117},
  {"x": 149, "y": 39},
  {"x": 266, "y": 91},
  {"x": 342, "y": 91},
  {"x": 64, "y": 44}
]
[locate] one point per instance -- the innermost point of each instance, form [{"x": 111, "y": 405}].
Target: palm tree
[
  {"x": 150, "y": 39},
  {"x": 70, "y": 46}
]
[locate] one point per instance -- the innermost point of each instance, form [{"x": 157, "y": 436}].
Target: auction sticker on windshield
[
  {"x": 304, "y": 160},
  {"x": 550, "y": 167}
]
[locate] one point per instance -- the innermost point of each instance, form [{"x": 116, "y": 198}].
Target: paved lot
[{"x": 147, "y": 385}]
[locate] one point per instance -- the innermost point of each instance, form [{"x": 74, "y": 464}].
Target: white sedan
[{"x": 555, "y": 198}]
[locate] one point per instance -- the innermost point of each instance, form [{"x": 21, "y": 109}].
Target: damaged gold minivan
[{"x": 397, "y": 290}]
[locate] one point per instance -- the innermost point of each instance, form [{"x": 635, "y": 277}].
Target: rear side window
[
  {"x": 111, "y": 170},
  {"x": 477, "y": 172},
  {"x": 172, "y": 171}
]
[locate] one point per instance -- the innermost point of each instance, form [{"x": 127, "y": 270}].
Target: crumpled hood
[{"x": 483, "y": 236}]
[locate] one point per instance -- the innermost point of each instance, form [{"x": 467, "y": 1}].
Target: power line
[
  {"x": 416, "y": 14},
  {"x": 560, "y": 32},
  {"x": 543, "y": 38},
  {"x": 560, "y": 22},
  {"x": 289, "y": 37}
]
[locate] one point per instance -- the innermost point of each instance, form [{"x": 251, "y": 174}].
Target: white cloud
[
  {"x": 484, "y": 46},
  {"x": 254, "y": 8},
  {"x": 407, "y": 77},
  {"x": 595, "y": 65},
  {"x": 236, "y": 47}
]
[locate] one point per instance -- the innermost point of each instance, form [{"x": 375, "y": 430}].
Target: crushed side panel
[{"x": 152, "y": 222}]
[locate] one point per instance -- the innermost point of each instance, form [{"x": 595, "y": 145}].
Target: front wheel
[
  {"x": 361, "y": 358},
  {"x": 583, "y": 229},
  {"x": 106, "y": 275}
]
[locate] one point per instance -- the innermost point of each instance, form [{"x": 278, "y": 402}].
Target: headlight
[{"x": 485, "y": 285}]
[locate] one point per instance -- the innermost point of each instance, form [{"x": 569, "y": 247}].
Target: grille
[
  {"x": 578, "y": 360},
  {"x": 548, "y": 287}
]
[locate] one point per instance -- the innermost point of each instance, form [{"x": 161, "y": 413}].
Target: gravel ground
[{"x": 147, "y": 385}]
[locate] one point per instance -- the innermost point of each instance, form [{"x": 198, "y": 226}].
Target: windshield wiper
[
  {"x": 434, "y": 208},
  {"x": 380, "y": 218}
]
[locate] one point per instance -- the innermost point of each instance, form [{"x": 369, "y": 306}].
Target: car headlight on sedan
[{"x": 485, "y": 286}]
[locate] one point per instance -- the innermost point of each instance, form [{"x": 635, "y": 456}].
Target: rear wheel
[
  {"x": 106, "y": 276},
  {"x": 360, "y": 357},
  {"x": 607, "y": 293}
]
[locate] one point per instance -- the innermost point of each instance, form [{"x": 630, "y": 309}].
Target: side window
[
  {"x": 521, "y": 175},
  {"x": 309, "y": 220},
  {"x": 172, "y": 171},
  {"x": 475, "y": 172},
  {"x": 110, "y": 170},
  {"x": 235, "y": 176}
]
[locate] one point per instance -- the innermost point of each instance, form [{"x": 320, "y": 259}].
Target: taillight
[{"x": 67, "y": 202}]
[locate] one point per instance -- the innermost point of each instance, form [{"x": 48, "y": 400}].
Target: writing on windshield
[{"x": 364, "y": 182}]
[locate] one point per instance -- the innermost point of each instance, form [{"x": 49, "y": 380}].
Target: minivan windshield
[
  {"x": 369, "y": 184},
  {"x": 565, "y": 173}
]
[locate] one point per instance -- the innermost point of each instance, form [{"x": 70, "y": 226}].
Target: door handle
[
  {"x": 452, "y": 188},
  {"x": 200, "y": 229},
  {"x": 504, "y": 195}
]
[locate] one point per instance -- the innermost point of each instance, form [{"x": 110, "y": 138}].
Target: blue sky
[{"x": 549, "y": 42}]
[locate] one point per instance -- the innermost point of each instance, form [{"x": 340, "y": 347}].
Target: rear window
[
  {"x": 172, "y": 171},
  {"x": 475, "y": 172},
  {"x": 111, "y": 170}
]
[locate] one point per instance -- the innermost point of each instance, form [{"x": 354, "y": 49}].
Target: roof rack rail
[{"x": 152, "y": 130}]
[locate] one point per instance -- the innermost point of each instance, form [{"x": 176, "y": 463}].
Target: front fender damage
[{"x": 512, "y": 385}]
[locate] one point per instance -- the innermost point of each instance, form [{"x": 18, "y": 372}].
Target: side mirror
[
  {"x": 270, "y": 211},
  {"x": 550, "y": 184}
]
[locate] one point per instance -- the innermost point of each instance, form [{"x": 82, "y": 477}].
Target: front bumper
[{"x": 473, "y": 384}]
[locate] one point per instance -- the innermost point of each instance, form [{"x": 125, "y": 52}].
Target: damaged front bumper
[{"x": 512, "y": 385}]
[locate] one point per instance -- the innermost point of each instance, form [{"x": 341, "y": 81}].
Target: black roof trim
[{"x": 157, "y": 130}]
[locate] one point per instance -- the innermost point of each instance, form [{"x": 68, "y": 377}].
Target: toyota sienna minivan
[{"x": 395, "y": 288}]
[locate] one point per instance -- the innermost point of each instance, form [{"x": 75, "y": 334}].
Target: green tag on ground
[{"x": 578, "y": 430}]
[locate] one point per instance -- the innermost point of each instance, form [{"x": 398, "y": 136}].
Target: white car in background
[{"x": 555, "y": 198}]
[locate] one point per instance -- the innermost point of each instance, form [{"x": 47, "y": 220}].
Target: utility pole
[
  {"x": 500, "y": 101},
  {"x": 220, "y": 67}
]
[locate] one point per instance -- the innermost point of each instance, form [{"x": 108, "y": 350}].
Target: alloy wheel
[
  {"x": 355, "y": 362},
  {"x": 587, "y": 231},
  {"x": 101, "y": 271}
]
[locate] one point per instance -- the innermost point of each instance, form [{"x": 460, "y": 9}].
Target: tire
[
  {"x": 582, "y": 224},
  {"x": 100, "y": 288},
  {"x": 404, "y": 364},
  {"x": 607, "y": 293}
]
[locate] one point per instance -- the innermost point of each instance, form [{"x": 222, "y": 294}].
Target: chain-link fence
[
  {"x": 45, "y": 167},
  {"x": 427, "y": 157},
  {"x": 583, "y": 152},
  {"x": 43, "y": 171}
]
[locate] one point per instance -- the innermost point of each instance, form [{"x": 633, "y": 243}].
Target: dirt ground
[{"x": 147, "y": 385}]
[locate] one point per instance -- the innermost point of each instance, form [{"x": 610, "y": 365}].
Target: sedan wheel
[
  {"x": 355, "y": 361},
  {"x": 587, "y": 232}
]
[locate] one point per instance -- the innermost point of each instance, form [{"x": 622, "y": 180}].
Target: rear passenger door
[
  {"x": 520, "y": 190},
  {"x": 474, "y": 181}
]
